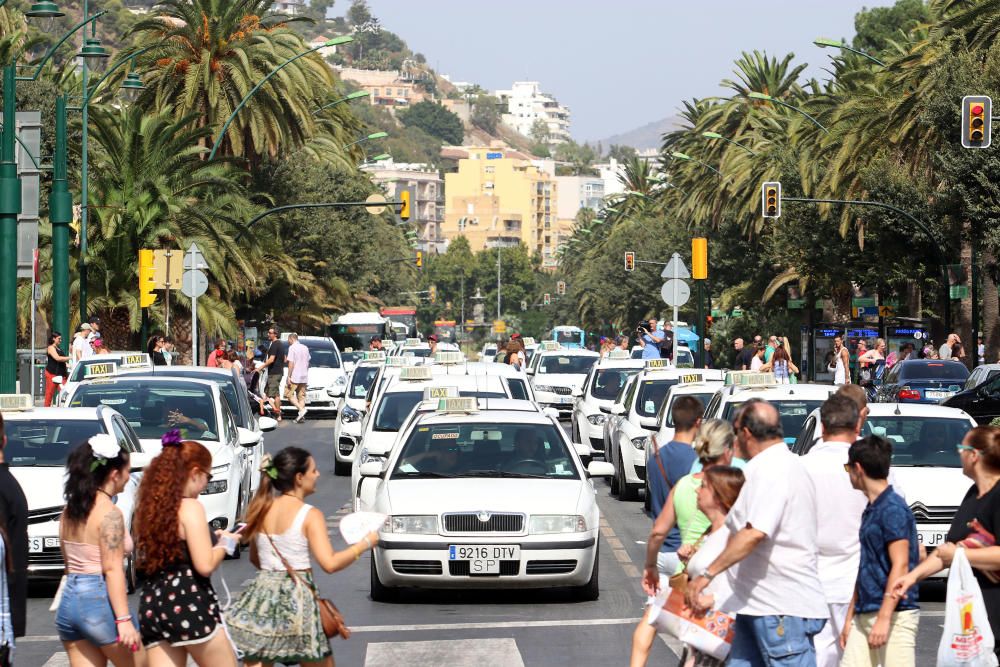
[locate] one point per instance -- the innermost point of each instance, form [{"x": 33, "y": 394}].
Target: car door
[
  {"x": 985, "y": 406},
  {"x": 806, "y": 439}
]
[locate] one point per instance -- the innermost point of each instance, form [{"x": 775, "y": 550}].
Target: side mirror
[
  {"x": 600, "y": 469},
  {"x": 139, "y": 460},
  {"x": 577, "y": 392},
  {"x": 551, "y": 412},
  {"x": 649, "y": 423},
  {"x": 583, "y": 450},
  {"x": 371, "y": 469},
  {"x": 247, "y": 438},
  {"x": 618, "y": 409},
  {"x": 530, "y": 371},
  {"x": 267, "y": 424},
  {"x": 335, "y": 393},
  {"x": 605, "y": 409}
]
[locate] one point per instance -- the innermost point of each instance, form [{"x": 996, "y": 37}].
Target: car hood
[
  {"x": 153, "y": 446},
  {"x": 324, "y": 377},
  {"x": 43, "y": 487},
  {"x": 934, "y": 487},
  {"x": 379, "y": 442},
  {"x": 473, "y": 494},
  {"x": 559, "y": 379}
]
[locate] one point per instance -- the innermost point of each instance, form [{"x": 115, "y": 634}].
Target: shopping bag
[
  {"x": 711, "y": 634},
  {"x": 967, "y": 640}
]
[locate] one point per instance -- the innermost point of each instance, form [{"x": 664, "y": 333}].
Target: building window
[
  {"x": 491, "y": 169},
  {"x": 461, "y": 224},
  {"x": 470, "y": 208}
]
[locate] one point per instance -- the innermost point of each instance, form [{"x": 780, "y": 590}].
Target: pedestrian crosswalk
[{"x": 451, "y": 652}]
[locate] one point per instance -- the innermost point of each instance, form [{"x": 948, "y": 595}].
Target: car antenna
[{"x": 897, "y": 412}]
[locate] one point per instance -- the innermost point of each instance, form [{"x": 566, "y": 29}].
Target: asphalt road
[{"x": 458, "y": 628}]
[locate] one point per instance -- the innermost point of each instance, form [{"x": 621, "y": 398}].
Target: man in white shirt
[
  {"x": 82, "y": 349},
  {"x": 777, "y": 595},
  {"x": 838, "y": 519},
  {"x": 945, "y": 350},
  {"x": 298, "y": 375}
]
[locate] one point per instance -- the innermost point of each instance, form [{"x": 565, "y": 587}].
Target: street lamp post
[
  {"x": 356, "y": 95},
  {"x": 683, "y": 156},
  {"x": 823, "y": 42},
  {"x": 373, "y": 135},
  {"x": 60, "y": 215},
  {"x": 754, "y": 95},
  {"x": 716, "y": 135}
]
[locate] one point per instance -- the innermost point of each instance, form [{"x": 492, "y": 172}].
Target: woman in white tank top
[{"x": 276, "y": 618}]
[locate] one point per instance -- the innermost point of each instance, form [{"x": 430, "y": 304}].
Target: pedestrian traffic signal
[
  {"x": 546, "y": 299},
  {"x": 630, "y": 261},
  {"x": 699, "y": 258},
  {"x": 433, "y": 293},
  {"x": 420, "y": 259},
  {"x": 146, "y": 283},
  {"x": 404, "y": 205},
  {"x": 770, "y": 195},
  {"x": 976, "y": 121},
  {"x": 561, "y": 287}
]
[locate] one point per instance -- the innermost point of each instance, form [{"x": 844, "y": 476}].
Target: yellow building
[{"x": 497, "y": 198}]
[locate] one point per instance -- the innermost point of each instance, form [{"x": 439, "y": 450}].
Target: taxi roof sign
[
  {"x": 691, "y": 377},
  {"x": 101, "y": 370},
  {"x": 399, "y": 361},
  {"x": 657, "y": 364},
  {"x": 374, "y": 355},
  {"x": 431, "y": 393},
  {"x": 15, "y": 402},
  {"x": 412, "y": 342},
  {"x": 619, "y": 354},
  {"x": 750, "y": 379},
  {"x": 465, "y": 404},
  {"x": 448, "y": 357},
  {"x": 528, "y": 340},
  {"x": 550, "y": 346},
  {"x": 415, "y": 373},
  {"x": 136, "y": 360}
]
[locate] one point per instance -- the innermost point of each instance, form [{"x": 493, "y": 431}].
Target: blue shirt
[
  {"x": 677, "y": 458},
  {"x": 652, "y": 349},
  {"x": 886, "y": 520}
]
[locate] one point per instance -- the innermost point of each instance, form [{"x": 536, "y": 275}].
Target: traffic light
[
  {"x": 976, "y": 121},
  {"x": 404, "y": 206},
  {"x": 699, "y": 258},
  {"x": 433, "y": 293},
  {"x": 420, "y": 259},
  {"x": 546, "y": 299},
  {"x": 770, "y": 195},
  {"x": 146, "y": 283},
  {"x": 629, "y": 261},
  {"x": 561, "y": 287}
]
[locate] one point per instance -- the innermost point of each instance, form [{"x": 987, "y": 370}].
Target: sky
[{"x": 617, "y": 65}]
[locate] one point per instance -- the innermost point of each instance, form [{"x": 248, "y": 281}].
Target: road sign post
[
  {"x": 675, "y": 291},
  {"x": 194, "y": 283}
]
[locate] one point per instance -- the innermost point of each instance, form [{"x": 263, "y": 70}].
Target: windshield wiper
[
  {"x": 502, "y": 473},
  {"x": 418, "y": 473}
]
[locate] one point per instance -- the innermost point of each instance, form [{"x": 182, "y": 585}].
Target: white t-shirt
[
  {"x": 709, "y": 550},
  {"x": 780, "y": 576},
  {"x": 82, "y": 345},
  {"x": 756, "y": 363},
  {"x": 945, "y": 351}
]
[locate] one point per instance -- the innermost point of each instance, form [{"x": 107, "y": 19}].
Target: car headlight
[
  {"x": 418, "y": 524},
  {"x": 349, "y": 414},
  {"x": 544, "y": 387},
  {"x": 640, "y": 442},
  {"x": 340, "y": 381},
  {"x": 216, "y": 486},
  {"x": 542, "y": 524},
  {"x": 598, "y": 419}
]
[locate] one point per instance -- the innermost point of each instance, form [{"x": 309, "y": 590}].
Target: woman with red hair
[{"x": 179, "y": 614}]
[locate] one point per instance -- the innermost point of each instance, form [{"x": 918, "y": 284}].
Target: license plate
[
  {"x": 931, "y": 538},
  {"x": 484, "y": 558},
  {"x": 314, "y": 396},
  {"x": 563, "y": 400},
  {"x": 938, "y": 394},
  {"x": 37, "y": 545}
]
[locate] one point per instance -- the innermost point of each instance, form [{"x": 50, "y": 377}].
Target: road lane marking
[
  {"x": 621, "y": 555},
  {"x": 455, "y": 652},
  {"x": 431, "y": 627},
  {"x": 615, "y": 543},
  {"x": 57, "y": 660},
  {"x": 607, "y": 531},
  {"x": 631, "y": 571}
]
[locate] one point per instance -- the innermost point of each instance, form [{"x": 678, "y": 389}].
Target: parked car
[
  {"x": 981, "y": 374},
  {"x": 922, "y": 381},
  {"x": 982, "y": 402}
]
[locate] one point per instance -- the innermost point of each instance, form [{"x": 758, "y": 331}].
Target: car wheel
[
  {"x": 591, "y": 590},
  {"x": 379, "y": 592},
  {"x": 625, "y": 490},
  {"x": 615, "y": 488},
  {"x": 341, "y": 468},
  {"x": 574, "y": 431},
  {"x": 646, "y": 502},
  {"x": 131, "y": 576}
]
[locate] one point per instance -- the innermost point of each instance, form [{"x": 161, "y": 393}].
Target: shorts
[
  {"x": 273, "y": 384},
  {"x": 85, "y": 611},
  {"x": 296, "y": 391}
]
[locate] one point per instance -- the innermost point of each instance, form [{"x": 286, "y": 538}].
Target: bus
[
  {"x": 445, "y": 330},
  {"x": 354, "y": 331},
  {"x": 569, "y": 336},
  {"x": 404, "y": 321}
]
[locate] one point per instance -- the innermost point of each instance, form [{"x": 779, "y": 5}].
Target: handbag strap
[{"x": 291, "y": 571}]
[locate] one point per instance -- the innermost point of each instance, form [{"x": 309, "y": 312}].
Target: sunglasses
[
  {"x": 847, "y": 467},
  {"x": 966, "y": 448}
]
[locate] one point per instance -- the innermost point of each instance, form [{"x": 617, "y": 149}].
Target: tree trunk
[
  {"x": 963, "y": 325},
  {"x": 991, "y": 308}
]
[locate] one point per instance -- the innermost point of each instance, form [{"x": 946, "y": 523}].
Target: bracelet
[{"x": 123, "y": 619}]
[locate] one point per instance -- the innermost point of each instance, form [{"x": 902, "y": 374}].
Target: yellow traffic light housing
[
  {"x": 404, "y": 206},
  {"x": 147, "y": 297},
  {"x": 699, "y": 258},
  {"x": 433, "y": 293},
  {"x": 420, "y": 259},
  {"x": 629, "y": 261},
  {"x": 976, "y": 121},
  {"x": 770, "y": 194}
]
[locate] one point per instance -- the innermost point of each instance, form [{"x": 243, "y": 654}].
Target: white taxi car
[
  {"x": 154, "y": 405},
  {"x": 926, "y": 469},
  {"x": 351, "y": 410},
  {"x": 489, "y": 353},
  {"x": 632, "y": 421},
  {"x": 326, "y": 378},
  {"x": 480, "y": 498},
  {"x": 413, "y": 347},
  {"x": 603, "y": 385},
  {"x": 557, "y": 373},
  {"x": 38, "y": 444},
  {"x": 97, "y": 366}
]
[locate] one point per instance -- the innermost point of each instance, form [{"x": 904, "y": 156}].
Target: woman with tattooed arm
[{"x": 93, "y": 619}]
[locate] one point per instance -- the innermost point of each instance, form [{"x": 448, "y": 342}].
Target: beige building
[
  {"x": 386, "y": 88},
  {"x": 426, "y": 189},
  {"x": 500, "y": 197}
]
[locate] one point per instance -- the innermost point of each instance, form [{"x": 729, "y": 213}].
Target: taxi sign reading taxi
[
  {"x": 99, "y": 370},
  {"x": 438, "y": 392},
  {"x": 499, "y": 326},
  {"x": 690, "y": 377}
]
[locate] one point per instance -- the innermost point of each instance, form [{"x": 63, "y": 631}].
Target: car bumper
[
  {"x": 218, "y": 508},
  {"x": 635, "y": 466},
  {"x": 544, "y": 563},
  {"x": 595, "y": 434},
  {"x": 346, "y": 447}
]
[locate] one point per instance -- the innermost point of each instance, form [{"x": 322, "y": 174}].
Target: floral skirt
[{"x": 277, "y": 619}]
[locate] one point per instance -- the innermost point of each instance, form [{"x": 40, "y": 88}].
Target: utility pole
[
  {"x": 10, "y": 207},
  {"x": 498, "y": 282},
  {"x": 60, "y": 214}
]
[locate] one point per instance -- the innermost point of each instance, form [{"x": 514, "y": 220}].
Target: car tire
[
  {"x": 574, "y": 431},
  {"x": 626, "y": 492},
  {"x": 380, "y": 592},
  {"x": 131, "y": 575},
  {"x": 341, "y": 468},
  {"x": 646, "y": 502},
  {"x": 615, "y": 488},
  {"x": 591, "y": 590}
]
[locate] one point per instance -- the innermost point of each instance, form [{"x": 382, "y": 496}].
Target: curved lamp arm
[{"x": 48, "y": 55}]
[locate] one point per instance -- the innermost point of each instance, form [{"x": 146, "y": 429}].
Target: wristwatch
[{"x": 708, "y": 575}]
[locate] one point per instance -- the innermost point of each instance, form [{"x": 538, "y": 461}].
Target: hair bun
[{"x": 171, "y": 438}]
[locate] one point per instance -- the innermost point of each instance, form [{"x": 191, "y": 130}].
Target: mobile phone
[{"x": 239, "y": 528}]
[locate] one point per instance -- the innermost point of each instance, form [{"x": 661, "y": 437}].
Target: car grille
[
  {"x": 50, "y": 556},
  {"x": 460, "y": 568},
  {"x": 417, "y": 566},
  {"x": 924, "y": 514},
  {"x": 549, "y": 566},
  {"x": 44, "y": 515},
  {"x": 562, "y": 391},
  {"x": 469, "y": 522},
  {"x": 346, "y": 445}
]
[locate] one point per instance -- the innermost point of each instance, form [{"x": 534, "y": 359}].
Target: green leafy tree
[
  {"x": 486, "y": 113},
  {"x": 876, "y": 27},
  {"x": 435, "y": 120},
  {"x": 621, "y": 152}
]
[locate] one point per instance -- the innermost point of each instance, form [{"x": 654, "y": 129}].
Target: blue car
[{"x": 922, "y": 381}]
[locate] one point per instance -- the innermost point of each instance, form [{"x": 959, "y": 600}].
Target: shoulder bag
[{"x": 329, "y": 615}]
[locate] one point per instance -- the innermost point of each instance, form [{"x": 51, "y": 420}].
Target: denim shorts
[{"x": 85, "y": 611}]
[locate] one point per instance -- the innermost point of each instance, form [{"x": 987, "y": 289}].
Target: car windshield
[
  {"x": 323, "y": 357},
  {"x": 566, "y": 363},
  {"x": 934, "y": 370},
  {"x": 651, "y": 395},
  {"x": 417, "y": 351},
  {"x": 490, "y": 350},
  {"x": 793, "y": 414},
  {"x": 486, "y": 449},
  {"x": 668, "y": 417},
  {"x": 153, "y": 409},
  {"x": 396, "y": 406},
  {"x": 684, "y": 358},
  {"x": 226, "y": 385},
  {"x": 608, "y": 382},
  {"x": 351, "y": 357},
  {"x": 45, "y": 442},
  {"x": 569, "y": 336},
  {"x": 921, "y": 441},
  {"x": 361, "y": 381}
]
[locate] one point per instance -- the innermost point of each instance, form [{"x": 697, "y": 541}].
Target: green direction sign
[
  {"x": 959, "y": 291},
  {"x": 716, "y": 312},
  {"x": 796, "y": 304},
  {"x": 737, "y": 312},
  {"x": 864, "y": 302}
]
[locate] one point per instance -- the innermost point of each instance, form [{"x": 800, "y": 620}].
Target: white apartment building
[
  {"x": 290, "y": 7},
  {"x": 526, "y": 103},
  {"x": 576, "y": 192},
  {"x": 426, "y": 188}
]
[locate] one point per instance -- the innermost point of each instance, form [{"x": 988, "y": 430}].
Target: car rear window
[
  {"x": 921, "y": 441},
  {"x": 934, "y": 370}
]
